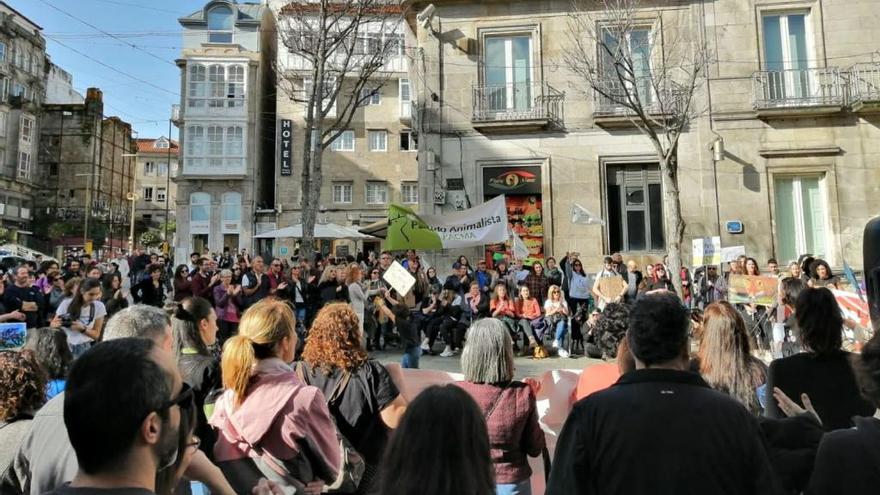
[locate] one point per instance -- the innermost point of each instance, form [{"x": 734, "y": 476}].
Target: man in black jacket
[{"x": 660, "y": 428}]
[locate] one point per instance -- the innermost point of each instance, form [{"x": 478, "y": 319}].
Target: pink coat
[{"x": 279, "y": 413}]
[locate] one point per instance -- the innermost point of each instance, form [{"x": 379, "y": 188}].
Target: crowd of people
[{"x": 254, "y": 377}]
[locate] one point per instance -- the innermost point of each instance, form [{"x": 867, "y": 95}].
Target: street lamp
[{"x": 133, "y": 197}]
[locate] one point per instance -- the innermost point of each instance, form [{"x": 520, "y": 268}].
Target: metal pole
[
  {"x": 168, "y": 188},
  {"x": 88, "y": 209},
  {"x": 133, "y": 198}
]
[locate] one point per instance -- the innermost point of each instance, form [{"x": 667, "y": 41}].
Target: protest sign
[
  {"x": 583, "y": 216},
  {"x": 853, "y": 307},
  {"x": 483, "y": 224},
  {"x": 707, "y": 251},
  {"x": 12, "y": 335},
  {"x": 732, "y": 253},
  {"x": 399, "y": 278},
  {"x": 611, "y": 287},
  {"x": 745, "y": 289}
]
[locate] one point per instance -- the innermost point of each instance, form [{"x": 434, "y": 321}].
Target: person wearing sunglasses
[{"x": 123, "y": 407}]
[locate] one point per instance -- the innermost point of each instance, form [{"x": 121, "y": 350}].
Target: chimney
[{"x": 94, "y": 94}]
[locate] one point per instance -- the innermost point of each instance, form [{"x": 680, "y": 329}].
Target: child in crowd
[{"x": 408, "y": 332}]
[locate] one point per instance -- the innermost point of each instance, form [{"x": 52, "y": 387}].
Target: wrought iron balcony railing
[
  {"x": 864, "y": 83},
  {"x": 658, "y": 99},
  {"x": 798, "y": 88},
  {"x": 513, "y": 102}
]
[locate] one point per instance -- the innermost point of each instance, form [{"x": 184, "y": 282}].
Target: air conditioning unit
[{"x": 440, "y": 197}]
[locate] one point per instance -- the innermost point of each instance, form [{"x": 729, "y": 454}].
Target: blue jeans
[
  {"x": 522, "y": 488},
  {"x": 78, "y": 350},
  {"x": 561, "y": 329},
  {"x": 411, "y": 357}
]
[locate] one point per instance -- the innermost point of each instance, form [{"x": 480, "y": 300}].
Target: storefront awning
[{"x": 376, "y": 229}]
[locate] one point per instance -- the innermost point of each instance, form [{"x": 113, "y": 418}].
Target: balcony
[
  {"x": 518, "y": 107},
  {"x": 864, "y": 87},
  {"x": 798, "y": 92},
  {"x": 609, "y": 112},
  {"x": 176, "y": 115},
  {"x": 213, "y": 168}
]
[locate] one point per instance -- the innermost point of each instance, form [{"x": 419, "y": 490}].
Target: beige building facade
[
  {"x": 790, "y": 92},
  {"x": 154, "y": 180},
  {"x": 372, "y": 164}
]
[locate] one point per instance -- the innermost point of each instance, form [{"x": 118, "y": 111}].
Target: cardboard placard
[
  {"x": 399, "y": 278},
  {"x": 707, "y": 251},
  {"x": 611, "y": 287},
  {"x": 729, "y": 254}
]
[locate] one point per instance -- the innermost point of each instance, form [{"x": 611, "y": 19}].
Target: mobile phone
[{"x": 197, "y": 488}]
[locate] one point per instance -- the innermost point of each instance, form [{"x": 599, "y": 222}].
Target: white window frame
[
  {"x": 149, "y": 169},
  {"x": 24, "y": 164},
  {"x": 217, "y": 155},
  {"x": 4, "y": 87},
  {"x": 345, "y": 142},
  {"x": 413, "y": 143},
  {"x": 148, "y": 194},
  {"x": 381, "y": 144},
  {"x": 19, "y": 89},
  {"x": 216, "y": 85},
  {"x": 342, "y": 192},
  {"x": 26, "y": 130},
  {"x": 161, "y": 194},
  {"x": 790, "y": 80},
  {"x": 161, "y": 143},
  {"x": 3, "y": 50},
  {"x": 308, "y": 81},
  {"x": 371, "y": 97},
  {"x": 371, "y": 196},
  {"x": 405, "y": 103},
  {"x": 4, "y": 118},
  {"x": 222, "y": 32},
  {"x": 409, "y": 193},
  {"x": 509, "y": 78}
]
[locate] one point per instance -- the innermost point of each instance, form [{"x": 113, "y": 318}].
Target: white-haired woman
[{"x": 508, "y": 405}]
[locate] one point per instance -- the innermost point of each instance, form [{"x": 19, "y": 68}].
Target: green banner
[{"x": 407, "y": 231}]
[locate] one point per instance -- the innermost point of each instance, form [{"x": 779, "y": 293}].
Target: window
[
  {"x": 195, "y": 140},
  {"x": 635, "y": 208},
  {"x": 378, "y": 140},
  {"x": 163, "y": 169},
  {"x": 26, "y": 134},
  {"x": 149, "y": 169},
  {"x": 4, "y": 88},
  {"x": 786, "y": 54},
  {"x": 377, "y": 193},
  {"x": 234, "y": 141},
  {"x": 160, "y": 194},
  {"x": 342, "y": 193},
  {"x": 408, "y": 141},
  {"x": 800, "y": 217},
  {"x": 19, "y": 89},
  {"x": 24, "y": 165},
  {"x": 148, "y": 194},
  {"x": 220, "y": 25},
  {"x": 200, "y": 213},
  {"x": 508, "y": 72},
  {"x": 215, "y": 141},
  {"x": 405, "y": 98},
  {"x": 345, "y": 142},
  {"x": 4, "y": 116},
  {"x": 12, "y": 206},
  {"x": 235, "y": 86},
  {"x": 19, "y": 56},
  {"x": 636, "y": 48},
  {"x": 2, "y": 52},
  {"x": 409, "y": 193},
  {"x": 230, "y": 212},
  {"x": 161, "y": 143},
  {"x": 215, "y": 146},
  {"x": 327, "y": 93},
  {"x": 217, "y": 85},
  {"x": 198, "y": 89},
  {"x": 370, "y": 96}
]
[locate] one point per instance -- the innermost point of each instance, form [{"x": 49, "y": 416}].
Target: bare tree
[
  {"x": 333, "y": 57},
  {"x": 647, "y": 66}
]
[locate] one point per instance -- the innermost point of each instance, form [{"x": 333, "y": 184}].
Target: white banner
[{"x": 483, "y": 224}]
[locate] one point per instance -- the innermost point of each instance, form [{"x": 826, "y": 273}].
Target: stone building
[
  {"x": 23, "y": 65},
  {"x": 153, "y": 177},
  {"x": 90, "y": 160},
  {"x": 791, "y": 92},
  {"x": 374, "y": 161},
  {"x": 225, "y": 126},
  {"x": 59, "y": 86}
]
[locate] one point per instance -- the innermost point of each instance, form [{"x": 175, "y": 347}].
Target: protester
[
  {"x": 367, "y": 402},
  {"x": 295, "y": 291},
  {"x": 453, "y": 314},
  {"x": 710, "y": 286},
  {"x": 53, "y": 296},
  {"x": 408, "y": 332},
  {"x": 537, "y": 282},
  {"x": 794, "y": 269},
  {"x": 443, "y": 429},
  {"x": 509, "y": 406},
  {"x": 24, "y": 297},
  {"x": 608, "y": 271},
  {"x": 182, "y": 284},
  {"x": 579, "y": 287},
  {"x": 848, "y": 460},
  {"x": 556, "y": 314},
  {"x": 724, "y": 358},
  {"x": 195, "y": 336},
  {"x": 227, "y": 301},
  {"x": 433, "y": 281},
  {"x": 5, "y": 315},
  {"x": 82, "y": 316},
  {"x": 633, "y": 279},
  {"x": 773, "y": 268},
  {"x": 22, "y": 393},
  {"x": 503, "y": 308},
  {"x": 51, "y": 351},
  {"x": 112, "y": 297},
  {"x": 202, "y": 282},
  {"x": 553, "y": 273},
  {"x": 660, "y": 281},
  {"x": 822, "y": 276},
  {"x": 790, "y": 289},
  {"x": 530, "y": 318},
  {"x": 354, "y": 279},
  {"x": 266, "y": 408},
  {"x": 609, "y": 343},
  {"x": 328, "y": 288},
  {"x": 823, "y": 372},
  {"x": 150, "y": 290},
  {"x": 123, "y": 408},
  {"x": 636, "y": 436}
]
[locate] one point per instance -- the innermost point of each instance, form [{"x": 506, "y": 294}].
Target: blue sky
[{"x": 151, "y": 26}]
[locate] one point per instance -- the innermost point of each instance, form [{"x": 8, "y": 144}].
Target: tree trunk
[{"x": 674, "y": 224}]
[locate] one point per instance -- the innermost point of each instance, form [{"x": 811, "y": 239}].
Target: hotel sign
[{"x": 286, "y": 146}]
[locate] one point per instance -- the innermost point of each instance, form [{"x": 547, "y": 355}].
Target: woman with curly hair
[
  {"x": 369, "y": 404},
  {"x": 822, "y": 276},
  {"x": 51, "y": 351},
  {"x": 22, "y": 393},
  {"x": 608, "y": 337}
]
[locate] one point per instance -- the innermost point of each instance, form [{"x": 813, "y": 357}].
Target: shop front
[{"x": 524, "y": 201}]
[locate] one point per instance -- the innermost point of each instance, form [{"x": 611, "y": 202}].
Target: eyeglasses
[
  {"x": 554, "y": 292},
  {"x": 184, "y": 399},
  {"x": 193, "y": 445}
]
